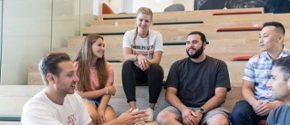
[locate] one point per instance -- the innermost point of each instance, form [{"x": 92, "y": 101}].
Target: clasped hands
[
  {"x": 263, "y": 107},
  {"x": 190, "y": 117},
  {"x": 143, "y": 62}
]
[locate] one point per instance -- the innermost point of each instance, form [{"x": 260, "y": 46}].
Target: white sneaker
[
  {"x": 150, "y": 112},
  {"x": 136, "y": 110}
]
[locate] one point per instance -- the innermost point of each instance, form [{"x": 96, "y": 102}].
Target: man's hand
[
  {"x": 197, "y": 117},
  {"x": 264, "y": 108},
  {"x": 129, "y": 117},
  {"x": 188, "y": 117}
]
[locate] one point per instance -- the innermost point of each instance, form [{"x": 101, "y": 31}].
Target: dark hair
[
  {"x": 202, "y": 36},
  {"x": 284, "y": 64},
  {"x": 49, "y": 64},
  {"x": 279, "y": 26}
]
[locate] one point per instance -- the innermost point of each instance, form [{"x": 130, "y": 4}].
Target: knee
[
  {"x": 110, "y": 113},
  {"x": 218, "y": 119},
  {"x": 127, "y": 64},
  {"x": 163, "y": 118},
  {"x": 156, "y": 67},
  {"x": 239, "y": 110}
]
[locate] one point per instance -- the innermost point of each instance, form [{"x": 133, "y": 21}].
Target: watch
[{"x": 201, "y": 110}]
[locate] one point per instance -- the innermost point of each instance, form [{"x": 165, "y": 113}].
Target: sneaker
[
  {"x": 150, "y": 112},
  {"x": 136, "y": 110}
]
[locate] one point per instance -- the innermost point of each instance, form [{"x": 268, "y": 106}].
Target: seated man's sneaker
[{"x": 150, "y": 112}]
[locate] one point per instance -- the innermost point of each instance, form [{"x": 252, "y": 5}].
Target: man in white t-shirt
[{"x": 58, "y": 104}]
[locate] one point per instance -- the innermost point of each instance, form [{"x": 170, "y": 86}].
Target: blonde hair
[
  {"x": 147, "y": 11},
  {"x": 84, "y": 57}
]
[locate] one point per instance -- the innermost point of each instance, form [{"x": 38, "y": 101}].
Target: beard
[{"x": 196, "y": 54}]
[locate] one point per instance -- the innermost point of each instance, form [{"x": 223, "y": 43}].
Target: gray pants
[{"x": 208, "y": 115}]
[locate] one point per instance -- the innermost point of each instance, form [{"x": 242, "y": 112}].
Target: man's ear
[
  {"x": 50, "y": 78},
  {"x": 204, "y": 44},
  {"x": 281, "y": 38}
]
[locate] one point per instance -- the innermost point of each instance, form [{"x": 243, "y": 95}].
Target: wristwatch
[{"x": 201, "y": 110}]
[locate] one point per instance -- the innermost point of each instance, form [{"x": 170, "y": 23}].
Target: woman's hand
[
  {"x": 143, "y": 62},
  {"x": 111, "y": 90},
  {"x": 101, "y": 117}
]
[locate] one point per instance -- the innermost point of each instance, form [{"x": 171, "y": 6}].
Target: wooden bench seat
[
  {"x": 236, "y": 71},
  {"x": 160, "y": 15},
  {"x": 206, "y": 27}
]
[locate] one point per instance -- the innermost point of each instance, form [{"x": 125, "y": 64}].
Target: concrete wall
[{"x": 30, "y": 31}]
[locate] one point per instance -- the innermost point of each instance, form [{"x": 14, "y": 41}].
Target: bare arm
[
  {"x": 247, "y": 93},
  {"x": 92, "y": 94},
  {"x": 187, "y": 114},
  {"x": 106, "y": 98},
  {"x": 217, "y": 100},
  {"x": 156, "y": 57},
  {"x": 128, "y": 55},
  {"x": 172, "y": 99}
]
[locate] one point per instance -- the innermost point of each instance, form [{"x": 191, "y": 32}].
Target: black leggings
[{"x": 133, "y": 75}]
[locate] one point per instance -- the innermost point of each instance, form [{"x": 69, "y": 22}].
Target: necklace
[{"x": 93, "y": 71}]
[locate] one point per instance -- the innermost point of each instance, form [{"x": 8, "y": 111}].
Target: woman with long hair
[
  {"x": 96, "y": 77},
  {"x": 142, "y": 51}
]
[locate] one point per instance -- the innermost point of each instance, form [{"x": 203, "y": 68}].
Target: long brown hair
[
  {"x": 84, "y": 57},
  {"x": 147, "y": 11}
]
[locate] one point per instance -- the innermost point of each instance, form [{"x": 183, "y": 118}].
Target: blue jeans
[
  {"x": 96, "y": 101},
  {"x": 243, "y": 114}
]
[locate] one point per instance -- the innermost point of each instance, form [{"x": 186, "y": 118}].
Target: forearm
[
  {"x": 248, "y": 95},
  {"x": 173, "y": 100},
  {"x": 156, "y": 58},
  {"x": 214, "y": 102},
  {"x": 92, "y": 94},
  {"x": 130, "y": 57},
  {"x": 104, "y": 102},
  {"x": 154, "y": 61}
]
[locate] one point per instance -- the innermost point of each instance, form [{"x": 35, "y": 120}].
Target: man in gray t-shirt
[
  {"x": 280, "y": 86},
  {"x": 196, "y": 87}
]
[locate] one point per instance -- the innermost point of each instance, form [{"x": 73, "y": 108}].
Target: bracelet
[
  {"x": 136, "y": 57},
  {"x": 107, "y": 91}
]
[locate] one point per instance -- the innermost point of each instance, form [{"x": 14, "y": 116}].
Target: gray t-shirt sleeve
[
  {"x": 172, "y": 78},
  {"x": 270, "y": 118},
  {"x": 223, "y": 78}
]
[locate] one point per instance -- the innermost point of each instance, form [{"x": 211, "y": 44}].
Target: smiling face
[
  {"x": 98, "y": 48},
  {"x": 278, "y": 85},
  {"x": 66, "y": 80},
  {"x": 269, "y": 38},
  {"x": 194, "y": 46},
  {"x": 143, "y": 22}
]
